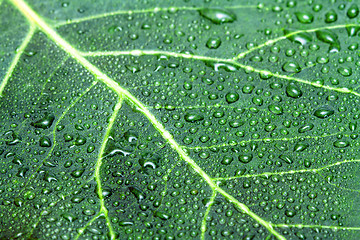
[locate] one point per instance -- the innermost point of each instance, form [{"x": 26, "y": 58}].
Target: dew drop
[
  {"x": 193, "y": 117},
  {"x": 286, "y": 159},
  {"x": 45, "y": 142},
  {"x": 345, "y": 71},
  {"x": 304, "y": 17},
  {"x": 245, "y": 158},
  {"x": 353, "y": 11},
  {"x": 278, "y": 110},
  {"x": 217, "y": 15},
  {"x": 44, "y": 122},
  {"x": 323, "y": 112},
  {"x": 291, "y": 66},
  {"x": 301, "y": 37},
  {"x": 306, "y": 128},
  {"x": 293, "y": 91},
  {"x": 299, "y": 147},
  {"x": 232, "y": 97},
  {"x": 213, "y": 43},
  {"x": 341, "y": 144},
  {"x": 139, "y": 195},
  {"x": 331, "y": 16}
]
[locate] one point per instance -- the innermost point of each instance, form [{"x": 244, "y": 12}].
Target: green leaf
[{"x": 186, "y": 120}]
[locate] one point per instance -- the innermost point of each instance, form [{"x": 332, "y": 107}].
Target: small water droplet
[
  {"x": 44, "y": 122},
  {"x": 213, "y": 43},
  {"x": 331, "y": 16},
  {"x": 193, "y": 117}
]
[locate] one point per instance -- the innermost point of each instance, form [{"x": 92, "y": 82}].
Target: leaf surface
[{"x": 197, "y": 120}]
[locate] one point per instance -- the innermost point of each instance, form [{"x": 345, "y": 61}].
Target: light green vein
[
  {"x": 62, "y": 43},
  {"x": 272, "y": 41},
  {"x": 98, "y": 167},
  {"x": 82, "y": 230},
  {"x": 203, "y": 223},
  {"x": 316, "y": 226},
  {"x": 265, "y": 140},
  {"x": 268, "y": 174},
  {"x": 16, "y": 59},
  {"x": 138, "y": 52},
  {"x": 139, "y": 11}
]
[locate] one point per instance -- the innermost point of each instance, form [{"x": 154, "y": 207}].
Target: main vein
[{"x": 43, "y": 26}]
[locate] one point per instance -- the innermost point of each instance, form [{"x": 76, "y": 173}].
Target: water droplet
[
  {"x": 301, "y": 38},
  {"x": 278, "y": 110},
  {"x": 12, "y": 138},
  {"x": 353, "y": 11},
  {"x": 299, "y": 147},
  {"x": 341, "y": 144},
  {"x": 162, "y": 215},
  {"x": 88, "y": 212},
  {"x": 352, "y": 30},
  {"x": 77, "y": 173},
  {"x": 69, "y": 217},
  {"x": 290, "y": 213},
  {"x": 217, "y": 15},
  {"x": 304, "y": 17},
  {"x": 139, "y": 195},
  {"x": 213, "y": 43},
  {"x": 22, "y": 171},
  {"x": 218, "y": 66},
  {"x": 286, "y": 159},
  {"x": 345, "y": 71},
  {"x": 331, "y": 16},
  {"x": 293, "y": 91},
  {"x": 44, "y": 122},
  {"x": 312, "y": 208},
  {"x": 193, "y": 117},
  {"x": 306, "y": 128},
  {"x": 227, "y": 160},
  {"x": 45, "y": 142},
  {"x": 324, "y": 112},
  {"x": 232, "y": 97},
  {"x": 291, "y": 66},
  {"x": 329, "y": 37},
  {"x": 247, "y": 89},
  {"x": 80, "y": 140},
  {"x": 236, "y": 123},
  {"x": 245, "y": 158}
]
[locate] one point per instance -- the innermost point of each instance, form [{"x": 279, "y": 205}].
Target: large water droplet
[
  {"x": 302, "y": 37},
  {"x": 278, "y": 110},
  {"x": 44, "y": 122},
  {"x": 213, "y": 43},
  {"x": 345, "y": 71},
  {"x": 245, "y": 158},
  {"x": 323, "y": 112},
  {"x": 291, "y": 66},
  {"x": 341, "y": 144},
  {"x": 329, "y": 37},
  {"x": 45, "y": 142},
  {"x": 304, "y": 17},
  {"x": 232, "y": 97},
  {"x": 286, "y": 159},
  {"x": 293, "y": 91},
  {"x": 353, "y": 11},
  {"x": 306, "y": 128},
  {"x": 217, "y": 15},
  {"x": 139, "y": 195},
  {"x": 193, "y": 117},
  {"x": 299, "y": 147},
  {"x": 331, "y": 16}
]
